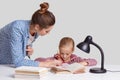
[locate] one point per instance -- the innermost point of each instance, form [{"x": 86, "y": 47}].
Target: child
[{"x": 65, "y": 54}]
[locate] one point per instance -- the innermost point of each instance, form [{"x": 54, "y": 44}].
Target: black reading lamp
[{"x": 85, "y": 46}]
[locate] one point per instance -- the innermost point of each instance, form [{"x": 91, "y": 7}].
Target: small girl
[{"x": 65, "y": 54}]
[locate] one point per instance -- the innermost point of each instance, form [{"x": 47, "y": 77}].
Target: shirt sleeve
[
  {"x": 17, "y": 48},
  {"x": 75, "y": 59},
  {"x": 91, "y": 62}
]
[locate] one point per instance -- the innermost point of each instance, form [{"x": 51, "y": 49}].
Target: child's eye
[
  {"x": 67, "y": 54},
  {"x": 62, "y": 53}
]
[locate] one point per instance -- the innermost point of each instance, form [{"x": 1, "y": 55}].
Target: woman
[{"x": 16, "y": 38}]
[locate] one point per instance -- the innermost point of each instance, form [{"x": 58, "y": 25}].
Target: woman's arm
[
  {"x": 18, "y": 51},
  {"x": 50, "y": 63}
]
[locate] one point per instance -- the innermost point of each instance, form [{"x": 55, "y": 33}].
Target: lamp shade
[{"x": 85, "y": 45}]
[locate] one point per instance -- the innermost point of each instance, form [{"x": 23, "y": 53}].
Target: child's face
[{"x": 65, "y": 53}]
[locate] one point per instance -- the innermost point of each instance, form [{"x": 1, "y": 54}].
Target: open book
[
  {"x": 30, "y": 72},
  {"x": 74, "y": 68}
]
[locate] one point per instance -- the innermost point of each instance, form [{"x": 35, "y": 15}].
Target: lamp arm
[{"x": 102, "y": 54}]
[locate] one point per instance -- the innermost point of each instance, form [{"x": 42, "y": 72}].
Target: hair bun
[{"x": 44, "y": 7}]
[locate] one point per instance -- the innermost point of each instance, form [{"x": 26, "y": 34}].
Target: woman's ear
[{"x": 37, "y": 27}]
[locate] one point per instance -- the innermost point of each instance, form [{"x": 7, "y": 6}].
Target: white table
[{"x": 7, "y": 73}]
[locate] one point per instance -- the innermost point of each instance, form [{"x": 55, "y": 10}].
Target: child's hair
[
  {"x": 66, "y": 41},
  {"x": 43, "y": 17}
]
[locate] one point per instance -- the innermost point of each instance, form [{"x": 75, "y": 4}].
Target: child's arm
[
  {"x": 90, "y": 62},
  {"x": 86, "y": 62}
]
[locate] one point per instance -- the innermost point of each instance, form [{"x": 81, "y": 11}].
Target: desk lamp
[{"x": 85, "y": 46}]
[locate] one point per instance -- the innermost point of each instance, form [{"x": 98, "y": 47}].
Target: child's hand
[
  {"x": 84, "y": 63},
  {"x": 58, "y": 57},
  {"x": 29, "y": 50},
  {"x": 79, "y": 71},
  {"x": 58, "y": 62}
]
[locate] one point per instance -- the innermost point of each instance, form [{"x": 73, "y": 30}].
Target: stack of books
[{"x": 28, "y": 72}]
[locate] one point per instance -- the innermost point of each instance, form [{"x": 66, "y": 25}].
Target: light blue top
[{"x": 13, "y": 41}]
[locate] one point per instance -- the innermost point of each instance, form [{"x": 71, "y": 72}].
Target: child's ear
[{"x": 73, "y": 49}]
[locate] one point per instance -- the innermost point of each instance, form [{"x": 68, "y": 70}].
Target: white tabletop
[{"x": 7, "y": 73}]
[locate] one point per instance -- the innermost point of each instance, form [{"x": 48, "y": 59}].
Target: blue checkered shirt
[{"x": 13, "y": 41}]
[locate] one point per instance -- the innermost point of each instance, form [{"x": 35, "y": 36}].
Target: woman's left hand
[{"x": 29, "y": 50}]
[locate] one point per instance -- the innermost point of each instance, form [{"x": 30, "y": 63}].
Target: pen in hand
[{"x": 29, "y": 51}]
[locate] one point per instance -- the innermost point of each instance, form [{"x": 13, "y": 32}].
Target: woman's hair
[
  {"x": 66, "y": 41},
  {"x": 43, "y": 17}
]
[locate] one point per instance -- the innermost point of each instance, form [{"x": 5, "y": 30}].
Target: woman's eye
[{"x": 47, "y": 31}]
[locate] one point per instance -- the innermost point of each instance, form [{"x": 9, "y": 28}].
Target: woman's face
[{"x": 44, "y": 31}]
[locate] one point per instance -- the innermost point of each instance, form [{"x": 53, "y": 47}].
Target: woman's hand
[
  {"x": 29, "y": 50},
  {"x": 50, "y": 63}
]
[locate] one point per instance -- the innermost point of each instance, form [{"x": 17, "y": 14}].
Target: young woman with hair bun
[{"x": 16, "y": 38}]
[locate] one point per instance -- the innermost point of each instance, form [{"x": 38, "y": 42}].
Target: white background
[{"x": 76, "y": 19}]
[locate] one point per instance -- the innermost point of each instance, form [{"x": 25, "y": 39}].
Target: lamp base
[{"x": 97, "y": 70}]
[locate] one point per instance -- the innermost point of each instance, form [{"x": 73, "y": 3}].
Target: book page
[
  {"x": 71, "y": 68},
  {"x": 75, "y": 66}
]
